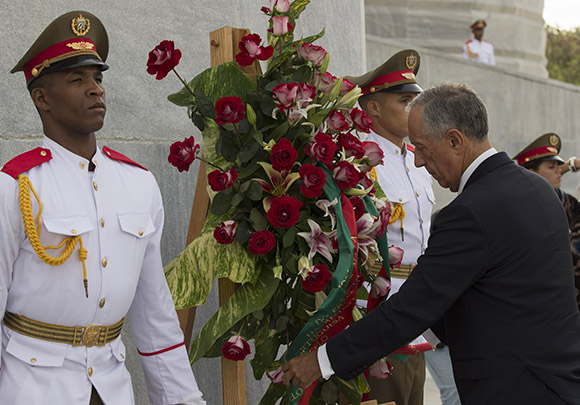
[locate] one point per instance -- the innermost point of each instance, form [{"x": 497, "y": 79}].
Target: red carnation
[
  {"x": 251, "y": 50},
  {"x": 219, "y": 180},
  {"x": 229, "y": 110},
  {"x": 182, "y": 154},
  {"x": 225, "y": 232},
  {"x": 261, "y": 242},
  {"x": 236, "y": 348},
  {"x": 284, "y": 211},
  {"x": 162, "y": 59},
  {"x": 317, "y": 279},
  {"x": 322, "y": 149},
  {"x": 283, "y": 155},
  {"x": 313, "y": 179}
]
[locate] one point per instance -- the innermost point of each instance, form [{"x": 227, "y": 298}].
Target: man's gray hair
[{"x": 452, "y": 105}]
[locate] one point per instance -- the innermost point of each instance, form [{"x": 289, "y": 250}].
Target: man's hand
[{"x": 302, "y": 371}]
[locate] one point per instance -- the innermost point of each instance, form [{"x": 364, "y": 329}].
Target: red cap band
[
  {"x": 393, "y": 78},
  {"x": 542, "y": 151}
]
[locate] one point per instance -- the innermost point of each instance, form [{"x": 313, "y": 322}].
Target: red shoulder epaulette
[
  {"x": 26, "y": 161},
  {"x": 467, "y": 42},
  {"x": 120, "y": 157},
  {"x": 411, "y": 148}
]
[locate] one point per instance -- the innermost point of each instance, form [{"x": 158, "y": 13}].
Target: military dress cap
[
  {"x": 478, "y": 24},
  {"x": 74, "y": 39},
  {"x": 546, "y": 147},
  {"x": 396, "y": 75}
]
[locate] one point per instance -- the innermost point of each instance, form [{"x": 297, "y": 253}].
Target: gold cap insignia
[
  {"x": 411, "y": 61},
  {"x": 80, "y": 25},
  {"x": 408, "y": 76},
  {"x": 554, "y": 140},
  {"x": 80, "y": 46}
]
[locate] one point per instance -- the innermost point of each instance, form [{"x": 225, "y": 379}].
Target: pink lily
[{"x": 318, "y": 241}]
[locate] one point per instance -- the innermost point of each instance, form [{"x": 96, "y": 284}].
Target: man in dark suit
[{"x": 496, "y": 277}]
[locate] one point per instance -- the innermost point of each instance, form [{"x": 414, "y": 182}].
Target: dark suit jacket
[{"x": 498, "y": 269}]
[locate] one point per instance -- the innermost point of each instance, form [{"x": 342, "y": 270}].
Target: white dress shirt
[
  {"x": 481, "y": 51},
  {"x": 117, "y": 210}
]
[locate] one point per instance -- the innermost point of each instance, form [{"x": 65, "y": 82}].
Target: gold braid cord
[
  {"x": 398, "y": 213},
  {"x": 33, "y": 231}
]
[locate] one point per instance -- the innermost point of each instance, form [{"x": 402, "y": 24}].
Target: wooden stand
[{"x": 223, "y": 47}]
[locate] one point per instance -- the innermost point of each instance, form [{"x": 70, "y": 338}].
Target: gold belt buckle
[{"x": 91, "y": 335}]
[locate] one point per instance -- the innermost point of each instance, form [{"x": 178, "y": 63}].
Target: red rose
[
  {"x": 219, "y": 180},
  {"x": 284, "y": 211},
  {"x": 346, "y": 175},
  {"x": 361, "y": 121},
  {"x": 251, "y": 50},
  {"x": 236, "y": 348},
  {"x": 285, "y": 94},
  {"x": 346, "y": 87},
  {"x": 317, "y": 279},
  {"x": 229, "y": 110},
  {"x": 313, "y": 179},
  {"x": 162, "y": 59},
  {"x": 283, "y": 155},
  {"x": 324, "y": 83},
  {"x": 373, "y": 152},
  {"x": 358, "y": 205},
  {"x": 261, "y": 242},
  {"x": 322, "y": 149},
  {"x": 336, "y": 122},
  {"x": 312, "y": 53},
  {"x": 351, "y": 145},
  {"x": 366, "y": 183},
  {"x": 225, "y": 232},
  {"x": 182, "y": 154}
]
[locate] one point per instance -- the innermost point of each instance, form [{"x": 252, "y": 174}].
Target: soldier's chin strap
[{"x": 33, "y": 231}]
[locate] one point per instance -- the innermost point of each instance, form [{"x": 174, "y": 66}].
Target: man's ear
[
  {"x": 40, "y": 98},
  {"x": 455, "y": 139},
  {"x": 372, "y": 108}
]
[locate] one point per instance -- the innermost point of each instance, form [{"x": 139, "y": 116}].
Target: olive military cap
[
  {"x": 74, "y": 39},
  {"x": 396, "y": 75},
  {"x": 479, "y": 24},
  {"x": 546, "y": 147}
]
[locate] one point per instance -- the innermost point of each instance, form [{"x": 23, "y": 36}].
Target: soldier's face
[
  {"x": 75, "y": 100},
  {"x": 478, "y": 33},
  {"x": 391, "y": 116},
  {"x": 550, "y": 170}
]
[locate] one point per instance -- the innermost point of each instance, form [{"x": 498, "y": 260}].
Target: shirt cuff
[
  {"x": 324, "y": 362},
  {"x": 192, "y": 399}
]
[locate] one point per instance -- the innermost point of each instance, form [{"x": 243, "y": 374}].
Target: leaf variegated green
[
  {"x": 350, "y": 389},
  {"x": 266, "y": 352},
  {"x": 190, "y": 274},
  {"x": 297, "y": 7},
  {"x": 248, "y": 298},
  {"x": 224, "y": 80}
]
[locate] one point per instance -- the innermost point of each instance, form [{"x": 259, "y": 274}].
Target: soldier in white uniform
[
  {"x": 386, "y": 92},
  {"x": 63, "y": 307},
  {"x": 478, "y": 49}
]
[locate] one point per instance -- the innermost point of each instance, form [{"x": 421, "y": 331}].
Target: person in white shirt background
[{"x": 478, "y": 49}]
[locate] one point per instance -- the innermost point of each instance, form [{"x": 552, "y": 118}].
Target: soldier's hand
[{"x": 302, "y": 371}]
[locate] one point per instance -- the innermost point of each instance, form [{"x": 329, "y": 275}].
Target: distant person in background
[
  {"x": 541, "y": 157},
  {"x": 478, "y": 49}
]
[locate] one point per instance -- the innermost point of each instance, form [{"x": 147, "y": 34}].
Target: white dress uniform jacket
[
  {"x": 406, "y": 184},
  {"x": 479, "y": 51},
  {"x": 118, "y": 212}
]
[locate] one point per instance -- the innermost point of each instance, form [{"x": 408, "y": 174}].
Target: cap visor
[{"x": 405, "y": 88}]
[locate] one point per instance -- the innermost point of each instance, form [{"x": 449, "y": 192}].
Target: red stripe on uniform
[{"x": 161, "y": 351}]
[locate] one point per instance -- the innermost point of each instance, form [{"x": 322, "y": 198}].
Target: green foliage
[{"x": 563, "y": 54}]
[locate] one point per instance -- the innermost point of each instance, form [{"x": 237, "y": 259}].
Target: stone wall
[
  {"x": 521, "y": 107},
  {"x": 140, "y": 122}
]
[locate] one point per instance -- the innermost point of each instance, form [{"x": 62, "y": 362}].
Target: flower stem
[
  {"x": 238, "y": 135},
  {"x": 209, "y": 163},
  {"x": 184, "y": 82}
]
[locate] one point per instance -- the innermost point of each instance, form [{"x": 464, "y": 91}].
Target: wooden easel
[{"x": 223, "y": 47}]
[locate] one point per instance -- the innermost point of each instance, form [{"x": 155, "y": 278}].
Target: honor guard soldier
[
  {"x": 81, "y": 228},
  {"x": 542, "y": 157},
  {"x": 386, "y": 92},
  {"x": 478, "y": 49}
]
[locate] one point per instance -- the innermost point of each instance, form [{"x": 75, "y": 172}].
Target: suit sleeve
[
  {"x": 156, "y": 330},
  {"x": 11, "y": 234},
  {"x": 455, "y": 259}
]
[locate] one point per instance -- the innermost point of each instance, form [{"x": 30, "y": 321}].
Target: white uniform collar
[
  {"x": 78, "y": 161},
  {"x": 474, "y": 165},
  {"x": 387, "y": 145}
]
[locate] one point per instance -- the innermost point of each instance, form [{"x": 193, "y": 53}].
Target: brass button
[
  {"x": 33, "y": 360},
  {"x": 90, "y": 371},
  {"x": 408, "y": 168},
  {"x": 43, "y": 153},
  {"x": 73, "y": 231},
  {"x": 421, "y": 220},
  {"x": 102, "y": 303},
  {"x": 396, "y": 152},
  {"x": 140, "y": 232},
  {"x": 417, "y": 192},
  {"x": 122, "y": 356},
  {"x": 82, "y": 165},
  {"x": 95, "y": 186},
  {"x": 102, "y": 222},
  {"x": 104, "y": 262},
  {"x": 400, "y": 199}
]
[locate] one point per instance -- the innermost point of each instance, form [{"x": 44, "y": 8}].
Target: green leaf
[
  {"x": 204, "y": 105},
  {"x": 259, "y": 220},
  {"x": 237, "y": 198},
  {"x": 266, "y": 352},
  {"x": 222, "y": 202},
  {"x": 247, "y": 299},
  {"x": 303, "y": 74},
  {"x": 190, "y": 274},
  {"x": 249, "y": 151},
  {"x": 251, "y": 114},
  {"x": 280, "y": 131},
  {"x": 329, "y": 392},
  {"x": 282, "y": 323},
  {"x": 255, "y": 191},
  {"x": 349, "y": 389},
  {"x": 297, "y": 7},
  {"x": 216, "y": 82},
  {"x": 289, "y": 237},
  {"x": 274, "y": 393}
]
